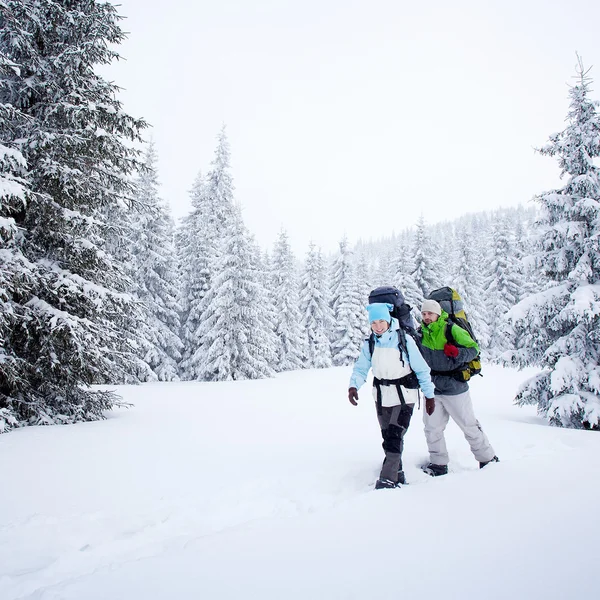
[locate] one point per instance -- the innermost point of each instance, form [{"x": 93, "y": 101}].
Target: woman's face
[{"x": 380, "y": 326}]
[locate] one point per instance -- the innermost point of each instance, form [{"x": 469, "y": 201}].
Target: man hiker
[
  {"x": 398, "y": 371},
  {"x": 447, "y": 361}
]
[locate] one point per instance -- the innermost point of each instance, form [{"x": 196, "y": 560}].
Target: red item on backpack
[{"x": 450, "y": 351}]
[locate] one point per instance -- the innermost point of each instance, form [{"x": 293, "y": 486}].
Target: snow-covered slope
[{"x": 263, "y": 489}]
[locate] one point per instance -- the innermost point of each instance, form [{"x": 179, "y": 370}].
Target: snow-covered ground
[{"x": 263, "y": 489}]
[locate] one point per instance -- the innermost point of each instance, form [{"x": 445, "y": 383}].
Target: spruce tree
[
  {"x": 403, "y": 279},
  {"x": 469, "y": 284},
  {"x": 199, "y": 243},
  {"x": 315, "y": 311},
  {"x": 425, "y": 275},
  {"x": 364, "y": 285},
  {"x": 235, "y": 331},
  {"x": 559, "y": 328},
  {"x": 502, "y": 287},
  {"x": 286, "y": 314},
  {"x": 17, "y": 274},
  {"x": 347, "y": 309},
  {"x": 67, "y": 301},
  {"x": 154, "y": 266}
]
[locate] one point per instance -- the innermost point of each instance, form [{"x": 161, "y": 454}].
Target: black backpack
[{"x": 400, "y": 311}]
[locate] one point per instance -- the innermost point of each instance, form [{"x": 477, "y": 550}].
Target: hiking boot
[
  {"x": 384, "y": 484},
  {"x": 435, "y": 470},
  {"x": 401, "y": 478},
  {"x": 487, "y": 462}
]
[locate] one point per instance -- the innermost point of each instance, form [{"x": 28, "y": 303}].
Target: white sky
[{"x": 352, "y": 116}]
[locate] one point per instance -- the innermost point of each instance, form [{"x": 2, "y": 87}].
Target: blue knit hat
[{"x": 379, "y": 311}]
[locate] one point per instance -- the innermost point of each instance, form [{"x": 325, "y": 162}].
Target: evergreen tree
[
  {"x": 66, "y": 300},
  {"x": 286, "y": 314},
  {"x": 424, "y": 253},
  {"x": 200, "y": 240},
  {"x": 503, "y": 287},
  {"x": 469, "y": 284},
  {"x": 560, "y": 327},
  {"x": 17, "y": 274},
  {"x": 315, "y": 310},
  {"x": 347, "y": 309},
  {"x": 235, "y": 329},
  {"x": 155, "y": 275},
  {"x": 403, "y": 279},
  {"x": 363, "y": 287}
]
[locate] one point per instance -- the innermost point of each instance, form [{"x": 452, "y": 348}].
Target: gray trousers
[
  {"x": 460, "y": 408},
  {"x": 394, "y": 421}
]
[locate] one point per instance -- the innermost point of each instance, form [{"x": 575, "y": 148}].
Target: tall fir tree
[
  {"x": 289, "y": 354},
  {"x": 17, "y": 274},
  {"x": 502, "y": 287},
  {"x": 199, "y": 242},
  {"x": 235, "y": 333},
  {"x": 403, "y": 279},
  {"x": 469, "y": 284},
  {"x": 364, "y": 284},
  {"x": 347, "y": 309},
  {"x": 155, "y": 274},
  {"x": 315, "y": 311},
  {"x": 560, "y": 327},
  {"x": 424, "y": 255},
  {"x": 68, "y": 306}
]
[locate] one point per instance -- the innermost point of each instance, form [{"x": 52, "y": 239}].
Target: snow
[{"x": 263, "y": 489}]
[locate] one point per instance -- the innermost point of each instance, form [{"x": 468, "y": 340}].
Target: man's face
[
  {"x": 429, "y": 317},
  {"x": 380, "y": 326}
]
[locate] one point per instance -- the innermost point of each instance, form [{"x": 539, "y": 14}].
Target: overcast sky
[{"x": 354, "y": 117}]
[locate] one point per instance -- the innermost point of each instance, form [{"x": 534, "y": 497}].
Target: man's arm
[{"x": 469, "y": 349}]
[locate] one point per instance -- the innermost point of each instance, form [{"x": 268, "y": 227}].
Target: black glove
[
  {"x": 353, "y": 395},
  {"x": 429, "y": 405}
]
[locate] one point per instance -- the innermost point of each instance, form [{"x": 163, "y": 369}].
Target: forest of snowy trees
[{"x": 98, "y": 285}]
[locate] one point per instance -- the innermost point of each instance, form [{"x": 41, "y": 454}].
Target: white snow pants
[{"x": 460, "y": 408}]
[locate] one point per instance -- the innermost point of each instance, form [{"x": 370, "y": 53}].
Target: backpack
[
  {"x": 450, "y": 300},
  {"x": 400, "y": 311}
]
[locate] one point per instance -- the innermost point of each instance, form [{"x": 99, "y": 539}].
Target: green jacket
[{"x": 433, "y": 340}]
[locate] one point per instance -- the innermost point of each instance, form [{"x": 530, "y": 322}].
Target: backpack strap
[
  {"x": 449, "y": 335},
  {"x": 402, "y": 344}
]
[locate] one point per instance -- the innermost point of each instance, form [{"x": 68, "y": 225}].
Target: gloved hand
[
  {"x": 353, "y": 395},
  {"x": 429, "y": 405},
  {"x": 450, "y": 351}
]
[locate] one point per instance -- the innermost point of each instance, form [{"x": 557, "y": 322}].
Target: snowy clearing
[{"x": 263, "y": 489}]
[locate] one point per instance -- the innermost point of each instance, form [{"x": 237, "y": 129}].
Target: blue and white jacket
[{"x": 386, "y": 364}]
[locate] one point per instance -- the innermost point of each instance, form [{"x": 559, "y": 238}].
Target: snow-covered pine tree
[
  {"x": 68, "y": 300},
  {"x": 403, "y": 279},
  {"x": 155, "y": 273},
  {"x": 286, "y": 315},
  {"x": 560, "y": 326},
  {"x": 235, "y": 333},
  {"x": 445, "y": 259},
  {"x": 385, "y": 266},
  {"x": 424, "y": 258},
  {"x": 347, "y": 307},
  {"x": 315, "y": 311},
  {"x": 363, "y": 286},
  {"x": 469, "y": 284},
  {"x": 17, "y": 274},
  {"x": 192, "y": 254},
  {"x": 199, "y": 243},
  {"x": 502, "y": 287}
]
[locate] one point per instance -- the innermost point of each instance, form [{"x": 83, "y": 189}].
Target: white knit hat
[{"x": 431, "y": 306}]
